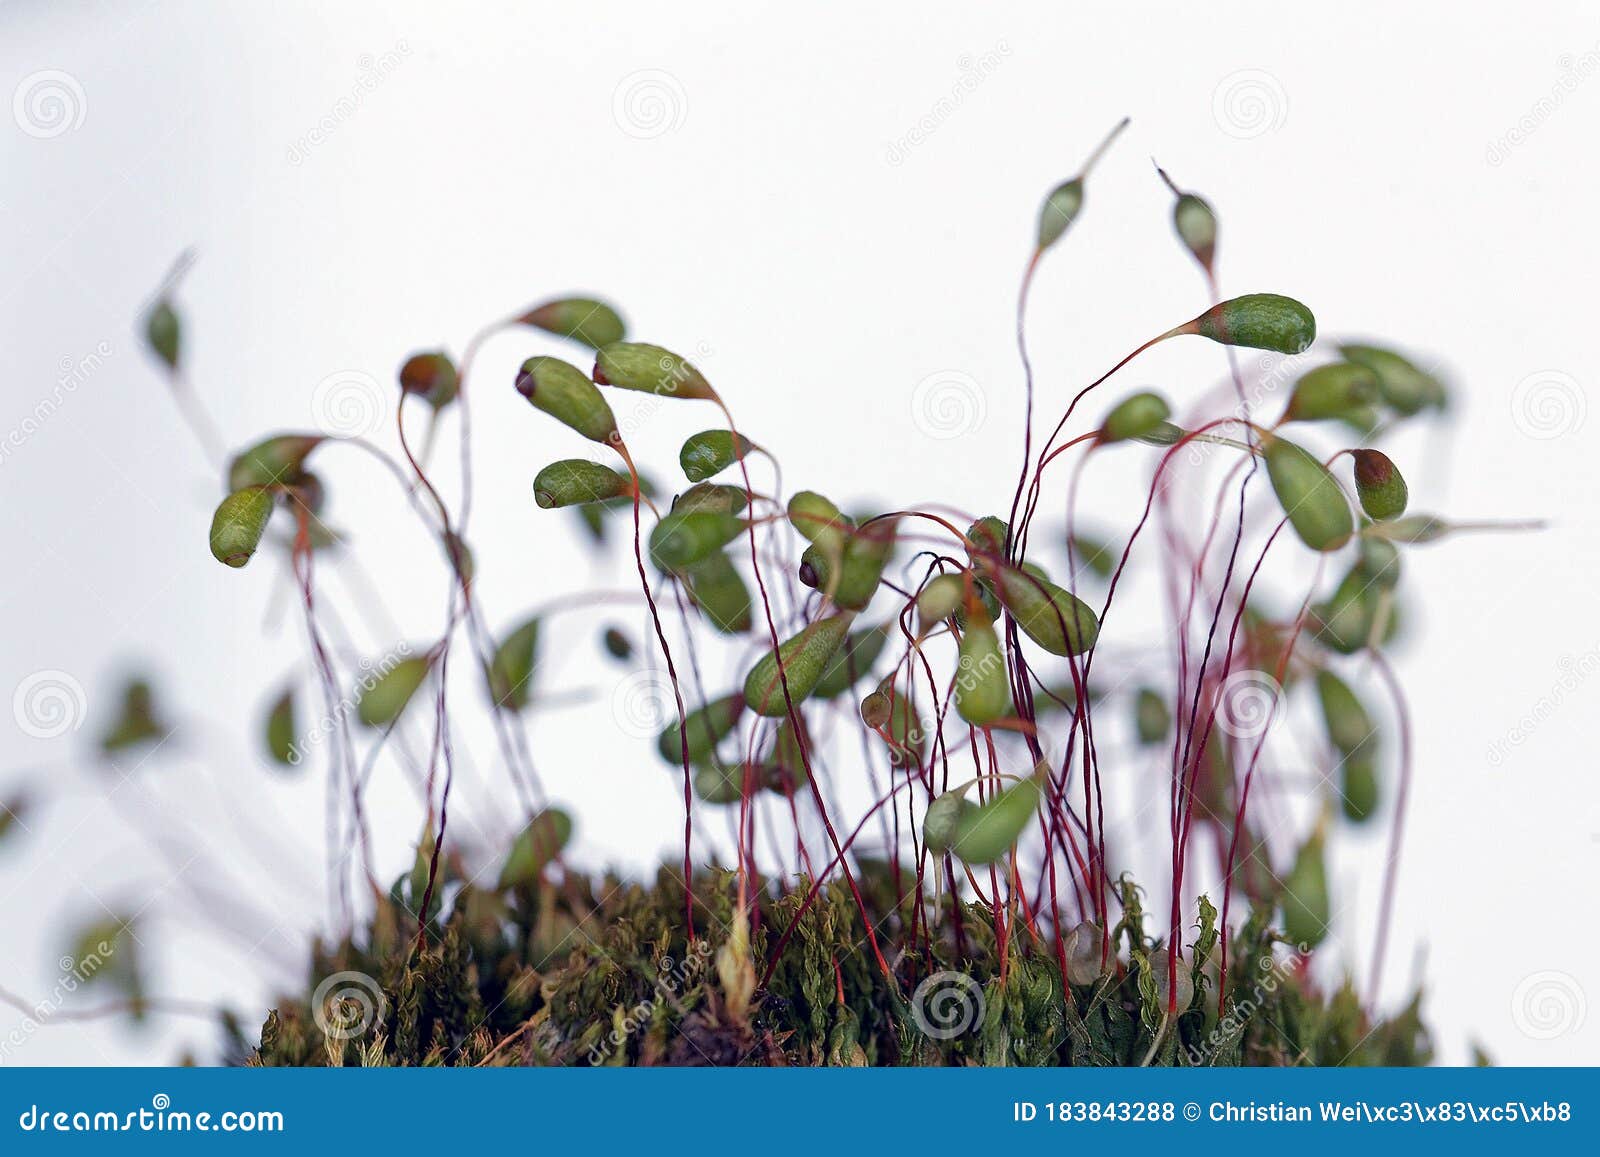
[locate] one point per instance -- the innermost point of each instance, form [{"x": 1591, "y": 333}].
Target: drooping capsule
[
  {"x": 1349, "y": 726},
  {"x": 594, "y": 323},
  {"x": 650, "y": 369},
  {"x": 710, "y": 452},
  {"x": 865, "y": 553},
  {"x": 819, "y": 521},
  {"x": 1379, "y": 485},
  {"x": 1306, "y": 908},
  {"x": 1135, "y": 417},
  {"x": 1151, "y": 717},
  {"x": 943, "y": 819},
  {"x": 990, "y": 830},
  {"x": 939, "y": 599},
  {"x": 562, "y": 391},
  {"x": 164, "y": 332},
  {"x": 803, "y": 656},
  {"x": 383, "y": 699},
  {"x": 280, "y": 731},
  {"x": 272, "y": 461},
  {"x": 719, "y": 590},
  {"x": 574, "y": 481},
  {"x": 511, "y": 669},
  {"x": 1263, "y": 321},
  {"x": 715, "y": 496},
  {"x": 679, "y": 541},
  {"x": 432, "y": 377},
  {"x": 536, "y": 845},
  {"x": 982, "y": 691},
  {"x": 1309, "y": 494},
  {"x": 1056, "y": 619},
  {"x": 707, "y": 727},
  {"x": 852, "y": 661},
  {"x": 1331, "y": 391},
  {"x": 238, "y": 524},
  {"x": 1406, "y": 389}
]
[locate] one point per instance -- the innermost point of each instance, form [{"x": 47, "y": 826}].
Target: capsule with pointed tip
[
  {"x": 583, "y": 319},
  {"x": 272, "y": 461},
  {"x": 706, "y": 726},
  {"x": 990, "y": 830},
  {"x": 1407, "y": 389},
  {"x": 650, "y": 369},
  {"x": 1263, "y": 321},
  {"x": 804, "y": 656},
  {"x": 1306, "y": 909},
  {"x": 432, "y": 377},
  {"x": 1136, "y": 416},
  {"x": 1311, "y": 497},
  {"x": 1379, "y": 485},
  {"x": 710, "y": 452},
  {"x": 535, "y": 846},
  {"x": 382, "y": 700},
  {"x": 575, "y": 481},
  {"x": 1332, "y": 391},
  {"x": 164, "y": 332},
  {"x": 1060, "y": 209},
  {"x": 1196, "y": 223},
  {"x": 679, "y": 541},
  {"x": 511, "y": 669},
  {"x": 719, "y": 590},
  {"x": 238, "y": 524},
  {"x": 982, "y": 690},
  {"x": 562, "y": 391}
]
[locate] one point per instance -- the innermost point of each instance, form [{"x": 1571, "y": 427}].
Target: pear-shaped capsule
[
  {"x": 1379, "y": 485},
  {"x": 238, "y": 524},
  {"x": 1135, "y": 417},
  {"x": 1196, "y": 223},
  {"x": 1056, "y": 619},
  {"x": 679, "y": 541},
  {"x": 943, "y": 819},
  {"x": 1060, "y": 209},
  {"x": 719, "y": 590},
  {"x": 272, "y": 461},
  {"x": 710, "y": 452},
  {"x": 594, "y": 323},
  {"x": 990, "y": 830},
  {"x": 1152, "y": 720},
  {"x": 851, "y": 662},
  {"x": 137, "y": 722},
  {"x": 1349, "y": 726},
  {"x": 282, "y": 737},
  {"x": 574, "y": 481},
  {"x": 982, "y": 690},
  {"x": 803, "y": 658},
  {"x": 383, "y": 699},
  {"x": 1263, "y": 321},
  {"x": 650, "y": 369},
  {"x": 535, "y": 846},
  {"x": 1401, "y": 384},
  {"x": 706, "y": 727},
  {"x": 1310, "y": 496},
  {"x": 511, "y": 668},
  {"x": 432, "y": 377},
  {"x": 940, "y": 599},
  {"x": 1306, "y": 909},
  {"x": 164, "y": 333},
  {"x": 562, "y": 391},
  {"x": 1331, "y": 391}
]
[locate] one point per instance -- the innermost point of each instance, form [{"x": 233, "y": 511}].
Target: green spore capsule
[
  {"x": 1306, "y": 910},
  {"x": 1331, "y": 391},
  {"x": 903, "y": 733},
  {"x": 575, "y": 481},
  {"x": 594, "y": 323},
  {"x": 137, "y": 722},
  {"x": 1349, "y": 726},
  {"x": 1379, "y": 485},
  {"x": 511, "y": 668},
  {"x": 1380, "y": 562},
  {"x": 281, "y": 733},
  {"x": 1097, "y": 556},
  {"x": 1359, "y": 793},
  {"x": 1151, "y": 718},
  {"x": 876, "y": 707},
  {"x": 785, "y": 765},
  {"x": 710, "y": 452},
  {"x": 804, "y": 657},
  {"x": 381, "y": 701},
  {"x": 1407, "y": 389},
  {"x": 1060, "y": 209},
  {"x": 1136, "y": 416},
  {"x": 719, "y": 590},
  {"x": 1416, "y": 529},
  {"x": 272, "y": 461},
  {"x": 707, "y": 727},
  {"x": 866, "y": 553},
  {"x": 1162, "y": 434},
  {"x": 562, "y": 391},
  {"x": 987, "y": 537},
  {"x": 679, "y": 541},
  {"x": 617, "y": 644},
  {"x": 650, "y": 369},
  {"x": 164, "y": 333},
  {"x": 851, "y": 662},
  {"x": 238, "y": 524},
  {"x": 990, "y": 830},
  {"x": 1056, "y": 619},
  {"x": 1263, "y": 321},
  {"x": 943, "y": 820},
  {"x": 1196, "y": 223},
  {"x": 1310, "y": 496},
  {"x": 982, "y": 691},
  {"x": 711, "y": 496},
  {"x": 432, "y": 377},
  {"x": 819, "y": 521},
  {"x": 535, "y": 846},
  {"x": 718, "y": 783},
  {"x": 940, "y": 599}
]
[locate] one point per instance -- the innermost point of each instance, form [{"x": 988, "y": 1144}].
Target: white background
[{"x": 825, "y": 208}]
